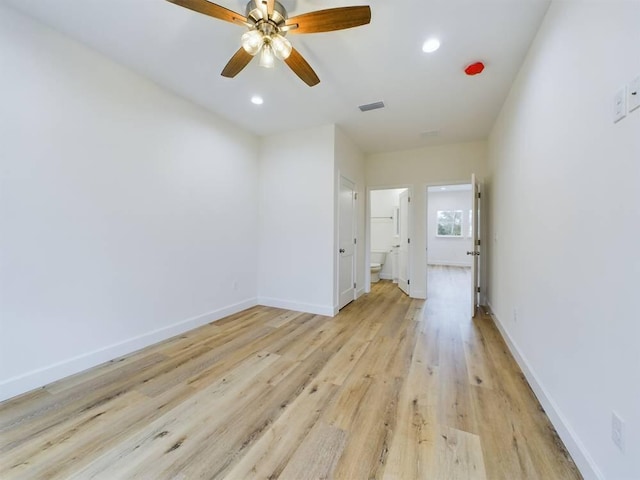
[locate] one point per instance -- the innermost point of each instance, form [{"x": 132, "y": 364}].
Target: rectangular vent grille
[{"x": 371, "y": 106}]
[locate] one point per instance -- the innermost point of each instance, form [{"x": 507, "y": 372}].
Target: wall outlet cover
[
  {"x": 620, "y": 105},
  {"x": 634, "y": 94}
]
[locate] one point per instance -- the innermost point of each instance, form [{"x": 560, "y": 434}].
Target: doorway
[
  {"x": 452, "y": 229},
  {"x": 389, "y": 237}
]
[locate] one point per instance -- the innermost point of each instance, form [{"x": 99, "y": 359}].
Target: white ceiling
[{"x": 185, "y": 52}]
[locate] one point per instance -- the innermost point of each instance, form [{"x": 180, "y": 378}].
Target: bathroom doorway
[
  {"x": 451, "y": 229},
  {"x": 389, "y": 227}
]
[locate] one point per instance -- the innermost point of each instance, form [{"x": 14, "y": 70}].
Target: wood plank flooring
[{"x": 390, "y": 388}]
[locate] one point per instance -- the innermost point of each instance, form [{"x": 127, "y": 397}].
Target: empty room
[{"x": 382, "y": 248}]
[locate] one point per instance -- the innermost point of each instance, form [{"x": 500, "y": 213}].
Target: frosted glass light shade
[
  {"x": 281, "y": 46},
  {"x": 266, "y": 57},
  {"x": 252, "y": 41}
]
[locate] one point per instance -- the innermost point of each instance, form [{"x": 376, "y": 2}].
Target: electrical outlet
[
  {"x": 617, "y": 430},
  {"x": 515, "y": 315},
  {"x": 234, "y": 285},
  {"x": 634, "y": 94},
  {"x": 620, "y": 105}
]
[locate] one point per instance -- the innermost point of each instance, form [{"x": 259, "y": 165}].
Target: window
[
  {"x": 470, "y": 223},
  {"x": 449, "y": 223}
]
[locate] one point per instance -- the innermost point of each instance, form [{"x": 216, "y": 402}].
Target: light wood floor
[{"x": 390, "y": 388}]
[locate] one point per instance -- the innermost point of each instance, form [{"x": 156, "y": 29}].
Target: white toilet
[{"x": 377, "y": 261}]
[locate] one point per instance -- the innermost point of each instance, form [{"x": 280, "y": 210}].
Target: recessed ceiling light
[
  {"x": 443, "y": 188},
  {"x": 431, "y": 45},
  {"x": 257, "y": 100}
]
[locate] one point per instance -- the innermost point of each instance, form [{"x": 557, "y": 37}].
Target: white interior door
[
  {"x": 346, "y": 243},
  {"x": 475, "y": 248},
  {"x": 403, "y": 250}
]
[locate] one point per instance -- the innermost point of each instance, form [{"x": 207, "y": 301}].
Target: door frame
[
  {"x": 481, "y": 232},
  {"x": 367, "y": 234},
  {"x": 475, "y": 245}
]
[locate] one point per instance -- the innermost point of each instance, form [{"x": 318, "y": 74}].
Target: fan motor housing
[{"x": 256, "y": 15}]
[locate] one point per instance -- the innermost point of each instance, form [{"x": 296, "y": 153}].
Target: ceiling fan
[{"x": 268, "y": 24}]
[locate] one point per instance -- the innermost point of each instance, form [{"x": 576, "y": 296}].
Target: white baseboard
[
  {"x": 418, "y": 293},
  {"x": 38, "y": 378},
  {"x": 386, "y": 276},
  {"x": 296, "y": 306},
  {"x": 445, "y": 263},
  {"x": 576, "y": 448}
]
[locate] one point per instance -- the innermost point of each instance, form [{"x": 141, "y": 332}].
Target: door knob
[
  {"x": 342, "y": 250},
  {"x": 473, "y": 253}
]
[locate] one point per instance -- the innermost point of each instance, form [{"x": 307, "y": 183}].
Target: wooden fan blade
[
  {"x": 211, "y": 9},
  {"x": 239, "y": 60},
  {"x": 300, "y": 67},
  {"x": 330, "y": 19}
]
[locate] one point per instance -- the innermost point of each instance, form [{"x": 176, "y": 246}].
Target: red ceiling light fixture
[{"x": 474, "y": 68}]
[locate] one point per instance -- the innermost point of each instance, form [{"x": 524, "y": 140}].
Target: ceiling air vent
[{"x": 371, "y": 106}]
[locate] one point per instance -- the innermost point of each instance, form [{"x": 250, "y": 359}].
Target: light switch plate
[
  {"x": 634, "y": 94},
  {"x": 620, "y": 105}
]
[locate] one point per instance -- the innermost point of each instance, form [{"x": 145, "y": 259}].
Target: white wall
[
  {"x": 565, "y": 215},
  {"x": 443, "y": 165},
  {"x": 349, "y": 162},
  {"x": 448, "y": 250},
  {"x": 124, "y": 210},
  {"x": 296, "y": 266}
]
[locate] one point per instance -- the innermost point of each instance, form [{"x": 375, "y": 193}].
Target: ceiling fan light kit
[
  {"x": 264, "y": 36},
  {"x": 281, "y": 47},
  {"x": 268, "y": 24},
  {"x": 266, "y": 57},
  {"x": 252, "y": 41}
]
